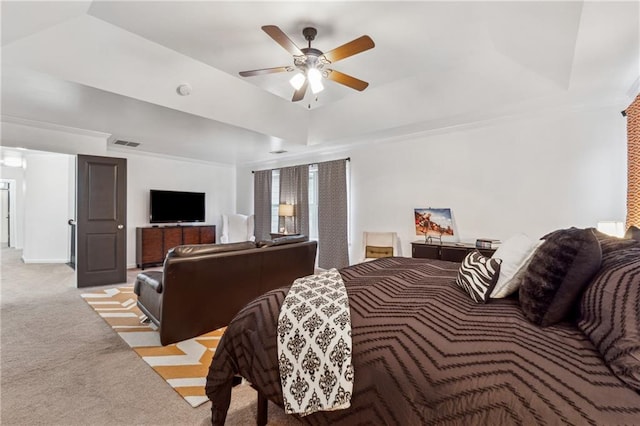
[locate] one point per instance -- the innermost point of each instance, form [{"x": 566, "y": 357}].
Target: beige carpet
[{"x": 61, "y": 364}]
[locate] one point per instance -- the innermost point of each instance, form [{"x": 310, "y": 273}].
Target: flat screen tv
[{"x": 176, "y": 206}]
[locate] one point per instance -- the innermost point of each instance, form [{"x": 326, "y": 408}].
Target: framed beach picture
[{"x": 433, "y": 222}]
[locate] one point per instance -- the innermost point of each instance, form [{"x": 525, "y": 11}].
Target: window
[{"x": 313, "y": 201}]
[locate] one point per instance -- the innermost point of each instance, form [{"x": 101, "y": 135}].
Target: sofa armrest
[{"x": 151, "y": 278}]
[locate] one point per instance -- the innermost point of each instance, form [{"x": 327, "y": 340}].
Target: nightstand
[{"x": 453, "y": 252}]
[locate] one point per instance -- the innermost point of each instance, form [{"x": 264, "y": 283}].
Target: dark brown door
[{"x": 102, "y": 220}]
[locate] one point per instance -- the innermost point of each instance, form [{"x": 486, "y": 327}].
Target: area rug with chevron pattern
[{"x": 183, "y": 365}]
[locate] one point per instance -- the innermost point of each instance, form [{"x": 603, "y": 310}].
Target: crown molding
[
  {"x": 141, "y": 153},
  {"x": 52, "y": 126}
]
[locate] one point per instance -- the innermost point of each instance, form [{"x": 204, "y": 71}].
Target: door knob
[{"x": 120, "y": 226}]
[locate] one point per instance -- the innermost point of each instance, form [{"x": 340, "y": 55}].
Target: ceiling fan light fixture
[
  {"x": 297, "y": 81},
  {"x": 310, "y": 62},
  {"x": 315, "y": 80}
]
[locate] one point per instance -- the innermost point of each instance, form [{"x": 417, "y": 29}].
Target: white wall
[
  {"x": 532, "y": 175},
  {"x": 46, "y": 137},
  {"x": 145, "y": 172},
  {"x": 46, "y": 208},
  {"x": 244, "y": 184}
]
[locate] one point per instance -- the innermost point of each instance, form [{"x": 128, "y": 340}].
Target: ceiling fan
[{"x": 312, "y": 63}]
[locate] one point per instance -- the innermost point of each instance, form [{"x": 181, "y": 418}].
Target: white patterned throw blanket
[{"x": 314, "y": 345}]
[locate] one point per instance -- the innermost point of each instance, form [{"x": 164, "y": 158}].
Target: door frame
[
  {"x": 12, "y": 212},
  {"x": 7, "y": 189}
]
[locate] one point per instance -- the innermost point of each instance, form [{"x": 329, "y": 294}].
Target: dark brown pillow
[
  {"x": 557, "y": 274},
  {"x": 610, "y": 314}
]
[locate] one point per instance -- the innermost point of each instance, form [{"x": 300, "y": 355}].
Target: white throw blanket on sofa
[{"x": 314, "y": 345}]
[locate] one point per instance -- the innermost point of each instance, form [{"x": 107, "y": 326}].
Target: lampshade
[
  {"x": 315, "y": 80},
  {"x": 297, "y": 81},
  {"x": 613, "y": 228},
  {"x": 285, "y": 210},
  {"x": 313, "y": 76}
]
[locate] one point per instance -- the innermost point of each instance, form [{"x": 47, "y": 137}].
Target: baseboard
[
  {"x": 129, "y": 266},
  {"x": 44, "y": 260}
]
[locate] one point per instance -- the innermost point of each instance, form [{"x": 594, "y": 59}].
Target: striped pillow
[{"x": 478, "y": 275}]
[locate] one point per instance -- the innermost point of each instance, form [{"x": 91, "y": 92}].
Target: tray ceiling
[{"x": 114, "y": 67}]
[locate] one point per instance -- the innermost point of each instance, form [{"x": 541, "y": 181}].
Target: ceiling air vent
[
  {"x": 126, "y": 143},
  {"x": 279, "y": 151}
]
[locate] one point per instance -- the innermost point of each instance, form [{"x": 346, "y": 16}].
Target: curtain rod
[{"x": 308, "y": 164}]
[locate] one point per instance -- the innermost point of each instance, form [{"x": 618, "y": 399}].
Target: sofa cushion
[
  {"x": 375, "y": 252},
  {"x": 200, "y": 249},
  {"x": 610, "y": 313},
  {"x": 290, "y": 239},
  {"x": 559, "y": 270},
  {"x": 478, "y": 275}
]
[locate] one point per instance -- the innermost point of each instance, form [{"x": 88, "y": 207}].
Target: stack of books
[{"x": 487, "y": 243}]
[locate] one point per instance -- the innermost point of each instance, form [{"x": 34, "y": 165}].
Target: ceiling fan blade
[
  {"x": 282, "y": 39},
  {"x": 265, "y": 71},
  {"x": 347, "y": 80},
  {"x": 349, "y": 49},
  {"x": 299, "y": 94}
]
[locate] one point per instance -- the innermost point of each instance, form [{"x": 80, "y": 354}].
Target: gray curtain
[
  {"x": 294, "y": 189},
  {"x": 262, "y": 204},
  {"x": 333, "y": 244}
]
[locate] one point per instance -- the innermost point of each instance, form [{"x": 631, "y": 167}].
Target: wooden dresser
[
  {"x": 453, "y": 252},
  {"x": 153, "y": 242}
]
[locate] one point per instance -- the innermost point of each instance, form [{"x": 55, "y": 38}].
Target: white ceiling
[{"x": 114, "y": 66}]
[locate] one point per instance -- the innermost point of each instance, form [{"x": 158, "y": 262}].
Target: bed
[{"x": 425, "y": 353}]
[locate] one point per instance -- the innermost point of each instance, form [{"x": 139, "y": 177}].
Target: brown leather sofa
[{"x": 202, "y": 287}]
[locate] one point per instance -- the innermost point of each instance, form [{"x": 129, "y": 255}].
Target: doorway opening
[{"x": 5, "y": 214}]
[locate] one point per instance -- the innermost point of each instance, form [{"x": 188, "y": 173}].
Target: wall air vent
[
  {"x": 279, "y": 151},
  {"x": 126, "y": 143}
]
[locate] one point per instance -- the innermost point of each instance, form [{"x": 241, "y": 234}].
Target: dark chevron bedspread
[{"x": 424, "y": 353}]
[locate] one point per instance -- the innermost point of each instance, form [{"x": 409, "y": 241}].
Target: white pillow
[{"x": 514, "y": 252}]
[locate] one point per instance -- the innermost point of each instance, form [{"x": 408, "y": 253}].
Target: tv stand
[{"x": 153, "y": 242}]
